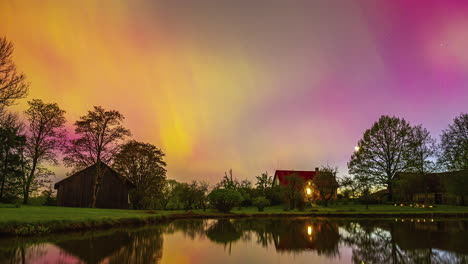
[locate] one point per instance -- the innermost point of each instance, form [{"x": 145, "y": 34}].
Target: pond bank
[{"x": 31, "y": 220}]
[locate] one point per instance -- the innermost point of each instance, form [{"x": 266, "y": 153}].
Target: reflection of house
[
  {"x": 314, "y": 184},
  {"x": 322, "y": 237},
  {"x": 431, "y": 187},
  {"x": 76, "y": 190}
]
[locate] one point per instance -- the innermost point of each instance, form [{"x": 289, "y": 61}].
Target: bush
[
  {"x": 224, "y": 199},
  {"x": 261, "y": 203},
  {"x": 273, "y": 194}
]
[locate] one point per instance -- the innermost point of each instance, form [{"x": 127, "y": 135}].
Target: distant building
[
  {"x": 311, "y": 188},
  {"x": 76, "y": 190},
  {"x": 433, "y": 188}
]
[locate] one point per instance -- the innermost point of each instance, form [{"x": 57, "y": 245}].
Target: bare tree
[
  {"x": 99, "y": 134},
  {"x": 13, "y": 84},
  {"x": 384, "y": 150},
  {"x": 423, "y": 147},
  {"x": 454, "y": 144},
  {"x": 46, "y": 134}
]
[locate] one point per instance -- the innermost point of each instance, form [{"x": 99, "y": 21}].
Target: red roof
[{"x": 282, "y": 174}]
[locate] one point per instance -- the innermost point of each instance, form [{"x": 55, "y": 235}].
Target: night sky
[{"x": 248, "y": 85}]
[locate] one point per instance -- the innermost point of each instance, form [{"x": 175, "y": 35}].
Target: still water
[{"x": 264, "y": 240}]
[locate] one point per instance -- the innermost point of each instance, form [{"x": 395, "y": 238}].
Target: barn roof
[
  {"x": 91, "y": 169},
  {"x": 282, "y": 174}
]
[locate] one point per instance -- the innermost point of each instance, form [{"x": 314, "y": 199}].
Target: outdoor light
[
  {"x": 308, "y": 191},
  {"x": 357, "y": 148},
  {"x": 309, "y": 230}
]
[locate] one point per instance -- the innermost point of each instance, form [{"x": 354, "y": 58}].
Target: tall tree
[
  {"x": 454, "y": 144},
  {"x": 99, "y": 134},
  {"x": 12, "y": 83},
  {"x": 46, "y": 134},
  {"x": 326, "y": 184},
  {"x": 144, "y": 165},
  {"x": 264, "y": 182},
  {"x": 423, "y": 150},
  {"x": 12, "y": 141},
  {"x": 383, "y": 151}
]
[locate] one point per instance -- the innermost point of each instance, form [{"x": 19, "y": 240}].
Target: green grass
[
  {"x": 27, "y": 220},
  {"x": 361, "y": 209}
]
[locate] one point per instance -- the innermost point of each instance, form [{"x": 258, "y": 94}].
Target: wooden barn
[{"x": 76, "y": 190}]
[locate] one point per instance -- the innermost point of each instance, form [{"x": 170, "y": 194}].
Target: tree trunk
[
  {"x": 4, "y": 176},
  {"x": 390, "y": 192},
  {"x": 97, "y": 183},
  {"x": 30, "y": 179},
  {"x": 2, "y": 187},
  {"x": 26, "y": 195}
]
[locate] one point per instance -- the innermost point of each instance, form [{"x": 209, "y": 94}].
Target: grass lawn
[{"x": 45, "y": 219}]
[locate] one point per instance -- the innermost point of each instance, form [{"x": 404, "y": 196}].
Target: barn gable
[{"x": 76, "y": 190}]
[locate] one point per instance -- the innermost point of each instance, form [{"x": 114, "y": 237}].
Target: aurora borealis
[{"x": 248, "y": 85}]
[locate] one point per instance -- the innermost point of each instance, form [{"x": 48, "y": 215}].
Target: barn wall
[
  {"x": 77, "y": 190},
  {"x": 113, "y": 192}
]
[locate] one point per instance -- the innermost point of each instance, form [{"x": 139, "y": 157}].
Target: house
[
  {"x": 282, "y": 175},
  {"x": 76, "y": 190},
  {"x": 433, "y": 188},
  {"x": 328, "y": 186}
]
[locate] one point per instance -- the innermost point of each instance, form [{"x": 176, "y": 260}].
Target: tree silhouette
[
  {"x": 326, "y": 184},
  {"x": 13, "y": 84},
  {"x": 12, "y": 141},
  {"x": 46, "y": 133},
  {"x": 143, "y": 165},
  {"x": 99, "y": 132},
  {"x": 454, "y": 144},
  {"x": 384, "y": 150}
]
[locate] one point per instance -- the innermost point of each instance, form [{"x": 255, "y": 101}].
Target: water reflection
[{"x": 298, "y": 239}]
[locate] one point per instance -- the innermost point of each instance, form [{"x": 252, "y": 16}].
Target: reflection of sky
[
  {"x": 248, "y": 85},
  {"x": 179, "y": 250}
]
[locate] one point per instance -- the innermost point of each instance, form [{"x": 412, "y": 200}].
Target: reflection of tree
[
  {"x": 371, "y": 241},
  {"x": 22, "y": 253},
  {"x": 223, "y": 232},
  {"x": 292, "y": 235},
  {"x": 389, "y": 242},
  {"x": 145, "y": 247},
  {"x": 191, "y": 228}
]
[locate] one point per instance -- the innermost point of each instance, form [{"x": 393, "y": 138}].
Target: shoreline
[{"x": 14, "y": 228}]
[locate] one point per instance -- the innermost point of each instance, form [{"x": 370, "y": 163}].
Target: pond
[{"x": 261, "y": 240}]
